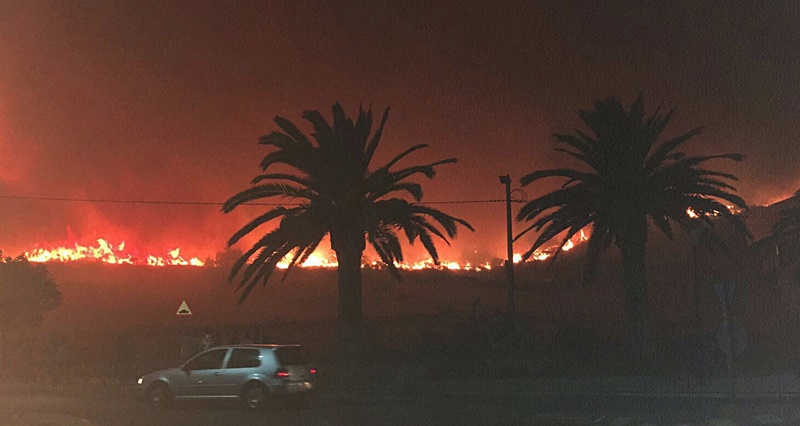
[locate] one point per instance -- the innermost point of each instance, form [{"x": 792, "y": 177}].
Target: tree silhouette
[
  {"x": 785, "y": 231},
  {"x": 789, "y": 221},
  {"x": 27, "y": 291},
  {"x": 629, "y": 179},
  {"x": 331, "y": 191}
]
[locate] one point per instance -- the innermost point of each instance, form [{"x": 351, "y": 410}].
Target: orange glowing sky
[{"x": 152, "y": 100}]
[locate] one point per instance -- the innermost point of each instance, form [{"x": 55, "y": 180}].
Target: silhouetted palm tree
[
  {"x": 629, "y": 179},
  {"x": 335, "y": 193}
]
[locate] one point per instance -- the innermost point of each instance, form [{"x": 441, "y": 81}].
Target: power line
[
  {"x": 110, "y": 201},
  {"x": 211, "y": 203},
  {"x": 200, "y": 203}
]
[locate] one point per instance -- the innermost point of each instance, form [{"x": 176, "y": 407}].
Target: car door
[
  {"x": 202, "y": 375},
  {"x": 243, "y": 364}
]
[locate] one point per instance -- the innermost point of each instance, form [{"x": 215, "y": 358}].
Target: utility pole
[{"x": 512, "y": 306}]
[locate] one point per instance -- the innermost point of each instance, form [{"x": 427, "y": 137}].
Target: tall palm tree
[
  {"x": 629, "y": 178},
  {"x": 330, "y": 190}
]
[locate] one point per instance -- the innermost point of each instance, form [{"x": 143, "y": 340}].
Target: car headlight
[{"x": 141, "y": 379}]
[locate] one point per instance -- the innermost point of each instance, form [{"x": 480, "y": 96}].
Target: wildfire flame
[
  {"x": 544, "y": 254},
  {"x": 694, "y": 215},
  {"x": 318, "y": 261},
  {"x": 108, "y": 253},
  {"x": 116, "y": 254}
]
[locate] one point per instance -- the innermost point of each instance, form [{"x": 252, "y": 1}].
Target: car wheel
[
  {"x": 159, "y": 396},
  {"x": 254, "y": 397}
]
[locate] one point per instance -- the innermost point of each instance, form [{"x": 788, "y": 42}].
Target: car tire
[
  {"x": 254, "y": 397},
  {"x": 159, "y": 396}
]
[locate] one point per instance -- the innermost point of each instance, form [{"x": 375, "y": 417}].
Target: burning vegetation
[
  {"x": 120, "y": 254},
  {"x": 115, "y": 254}
]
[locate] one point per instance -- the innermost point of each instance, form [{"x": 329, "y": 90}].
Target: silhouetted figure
[{"x": 208, "y": 340}]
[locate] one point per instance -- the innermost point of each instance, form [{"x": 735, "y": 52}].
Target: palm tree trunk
[
  {"x": 350, "y": 344},
  {"x": 347, "y": 240},
  {"x": 637, "y": 309},
  {"x": 349, "y": 271}
]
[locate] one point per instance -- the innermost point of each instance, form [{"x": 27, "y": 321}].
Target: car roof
[{"x": 261, "y": 345}]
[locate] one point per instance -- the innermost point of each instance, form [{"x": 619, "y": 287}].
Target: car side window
[
  {"x": 210, "y": 360},
  {"x": 245, "y": 358}
]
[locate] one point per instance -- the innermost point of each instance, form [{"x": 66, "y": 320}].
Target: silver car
[{"x": 251, "y": 373}]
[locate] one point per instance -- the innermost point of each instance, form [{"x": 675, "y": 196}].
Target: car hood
[{"x": 162, "y": 372}]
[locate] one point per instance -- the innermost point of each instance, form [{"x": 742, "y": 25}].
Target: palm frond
[
  {"x": 429, "y": 170},
  {"x": 582, "y": 142},
  {"x": 449, "y": 223},
  {"x": 323, "y": 133},
  {"x": 426, "y": 225},
  {"x": 302, "y": 253},
  {"x": 662, "y": 222},
  {"x": 577, "y": 194},
  {"x": 404, "y": 154},
  {"x": 413, "y": 189},
  {"x": 430, "y": 247},
  {"x": 266, "y": 191},
  {"x": 599, "y": 239},
  {"x": 388, "y": 249},
  {"x": 373, "y": 143},
  {"x": 361, "y": 130},
  {"x": 292, "y": 130},
  {"x": 660, "y": 155},
  {"x": 567, "y": 173},
  {"x": 277, "y": 139},
  {"x": 283, "y": 176},
  {"x": 291, "y": 157},
  {"x": 258, "y": 221}
]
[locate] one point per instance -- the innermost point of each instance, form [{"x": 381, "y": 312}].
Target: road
[
  {"x": 101, "y": 405},
  {"x": 121, "y": 408}
]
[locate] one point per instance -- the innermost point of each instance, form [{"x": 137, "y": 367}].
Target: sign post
[
  {"x": 186, "y": 339},
  {"x": 183, "y": 309}
]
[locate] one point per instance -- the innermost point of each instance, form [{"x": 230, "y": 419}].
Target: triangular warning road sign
[{"x": 184, "y": 309}]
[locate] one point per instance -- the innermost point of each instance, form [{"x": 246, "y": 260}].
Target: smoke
[{"x": 153, "y": 101}]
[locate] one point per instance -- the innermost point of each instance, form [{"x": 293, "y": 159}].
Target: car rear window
[
  {"x": 245, "y": 358},
  {"x": 290, "y": 355}
]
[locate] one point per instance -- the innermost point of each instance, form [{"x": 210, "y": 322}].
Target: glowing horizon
[{"x": 121, "y": 254}]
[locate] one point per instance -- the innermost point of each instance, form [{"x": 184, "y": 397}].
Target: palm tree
[
  {"x": 330, "y": 190},
  {"x": 628, "y": 179}
]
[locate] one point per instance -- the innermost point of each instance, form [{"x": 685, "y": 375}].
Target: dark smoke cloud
[{"x": 165, "y": 100}]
